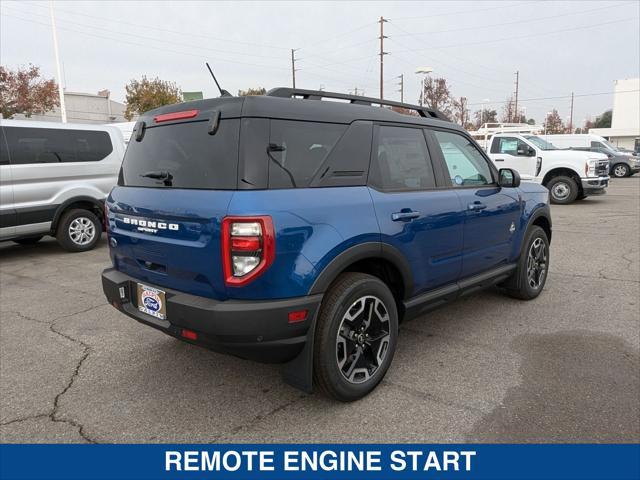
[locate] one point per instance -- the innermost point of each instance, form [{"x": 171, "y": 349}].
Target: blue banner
[{"x": 320, "y": 461}]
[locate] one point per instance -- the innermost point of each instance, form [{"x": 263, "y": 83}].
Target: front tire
[
  {"x": 531, "y": 274},
  {"x": 563, "y": 190},
  {"x": 356, "y": 337},
  {"x": 620, "y": 170},
  {"x": 79, "y": 230}
]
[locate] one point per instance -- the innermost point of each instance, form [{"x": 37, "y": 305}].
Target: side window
[
  {"x": 4, "y": 154},
  {"x": 299, "y": 149},
  {"x": 509, "y": 146},
  {"x": 465, "y": 163},
  {"x": 56, "y": 145},
  {"x": 401, "y": 160}
]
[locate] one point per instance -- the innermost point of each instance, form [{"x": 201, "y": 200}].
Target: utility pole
[
  {"x": 401, "y": 84},
  {"x": 63, "y": 110},
  {"x": 571, "y": 115},
  {"x": 516, "y": 106},
  {"x": 382, "y": 54},
  {"x": 293, "y": 66}
]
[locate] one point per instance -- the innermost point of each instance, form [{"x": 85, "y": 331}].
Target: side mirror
[
  {"x": 532, "y": 152},
  {"x": 509, "y": 178}
]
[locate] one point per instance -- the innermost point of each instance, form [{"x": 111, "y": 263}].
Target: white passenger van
[{"x": 54, "y": 178}]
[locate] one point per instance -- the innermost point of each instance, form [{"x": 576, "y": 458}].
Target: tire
[
  {"x": 620, "y": 170},
  {"x": 521, "y": 285},
  {"x": 28, "y": 241},
  {"x": 563, "y": 190},
  {"x": 361, "y": 307},
  {"x": 78, "y": 230}
]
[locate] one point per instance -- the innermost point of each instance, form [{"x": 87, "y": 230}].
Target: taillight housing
[{"x": 248, "y": 248}]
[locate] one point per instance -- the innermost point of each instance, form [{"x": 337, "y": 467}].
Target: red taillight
[
  {"x": 189, "y": 334},
  {"x": 248, "y": 248},
  {"x": 297, "y": 316},
  {"x": 166, "y": 117}
]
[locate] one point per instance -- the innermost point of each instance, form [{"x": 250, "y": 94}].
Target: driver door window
[
  {"x": 466, "y": 165},
  {"x": 509, "y": 146}
]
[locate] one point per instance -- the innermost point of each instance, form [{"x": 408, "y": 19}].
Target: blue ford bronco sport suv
[{"x": 288, "y": 228}]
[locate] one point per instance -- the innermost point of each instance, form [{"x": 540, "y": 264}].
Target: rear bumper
[
  {"x": 595, "y": 185},
  {"x": 257, "y": 330}
]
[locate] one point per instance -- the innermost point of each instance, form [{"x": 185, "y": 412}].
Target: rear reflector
[
  {"x": 166, "y": 117},
  {"x": 297, "y": 316},
  {"x": 245, "y": 244},
  {"x": 189, "y": 334}
]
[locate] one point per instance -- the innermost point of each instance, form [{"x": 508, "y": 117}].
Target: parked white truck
[{"x": 568, "y": 174}]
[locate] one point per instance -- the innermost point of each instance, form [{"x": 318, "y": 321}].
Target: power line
[
  {"x": 149, "y": 46},
  {"x": 519, "y": 22},
  {"x": 467, "y": 11},
  {"x": 601, "y": 24},
  {"x": 556, "y": 97}
]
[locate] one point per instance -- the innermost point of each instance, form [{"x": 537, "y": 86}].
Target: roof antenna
[{"x": 223, "y": 93}]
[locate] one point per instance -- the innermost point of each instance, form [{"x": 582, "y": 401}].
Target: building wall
[
  {"x": 84, "y": 108},
  {"x": 626, "y": 104}
]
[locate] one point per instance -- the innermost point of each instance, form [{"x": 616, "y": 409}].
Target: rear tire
[
  {"x": 79, "y": 230},
  {"x": 528, "y": 281},
  {"x": 28, "y": 241},
  {"x": 563, "y": 190},
  {"x": 620, "y": 170},
  {"x": 355, "y": 338}
]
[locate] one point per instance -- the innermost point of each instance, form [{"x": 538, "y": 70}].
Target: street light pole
[
  {"x": 424, "y": 71},
  {"x": 63, "y": 110}
]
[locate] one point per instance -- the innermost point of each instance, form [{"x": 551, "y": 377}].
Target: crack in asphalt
[
  {"x": 428, "y": 396},
  {"x": 599, "y": 277},
  {"x": 258, "y": 418},
  {"x": 53, "y": 415}
]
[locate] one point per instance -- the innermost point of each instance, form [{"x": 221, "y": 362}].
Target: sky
[{"x": 557, "y": 47}]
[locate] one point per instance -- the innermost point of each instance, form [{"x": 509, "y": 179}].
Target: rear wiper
[{"x": 166, "y": 177}]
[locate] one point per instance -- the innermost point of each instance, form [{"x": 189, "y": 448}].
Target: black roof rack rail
[{"x": 286, "y": 92}]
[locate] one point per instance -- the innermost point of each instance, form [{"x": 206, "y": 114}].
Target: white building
[
  {"x": 625, "y": 123},
  {"x": 84, "y": 108}
]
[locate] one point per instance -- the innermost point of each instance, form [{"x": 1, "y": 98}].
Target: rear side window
[
  {"x": 298, "y": 149},
  {"x": 401, "y": 160},
  {"x": 56, "y": 145},
  {"x": 465, "y": 163},
  {"x": 184, "y": 155}
]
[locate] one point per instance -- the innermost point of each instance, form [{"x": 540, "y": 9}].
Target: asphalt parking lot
[{"x": 562, "y": 368}]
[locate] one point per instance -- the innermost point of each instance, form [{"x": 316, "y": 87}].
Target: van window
[
  {"x": 184, "y": 155},
  {"x": 304, "y": 147},
  {"x": 56, "y": 145},
  {"x": 401, "y": 160},
  {"x": 466, "y": 165}
]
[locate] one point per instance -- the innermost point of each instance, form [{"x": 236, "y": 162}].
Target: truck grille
[{"x": 602, "y": 168}]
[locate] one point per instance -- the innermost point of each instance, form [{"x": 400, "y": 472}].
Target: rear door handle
[
  {"x": 476, "y": 206},
  {"x": 404, "y": 215}
]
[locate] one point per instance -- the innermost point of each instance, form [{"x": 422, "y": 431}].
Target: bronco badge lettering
[{"x": 150, "y": 226}]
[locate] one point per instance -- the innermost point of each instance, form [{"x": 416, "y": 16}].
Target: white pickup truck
[{"x": 568, "y": 174}]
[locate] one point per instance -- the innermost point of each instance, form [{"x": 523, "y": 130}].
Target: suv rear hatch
[{"x": 175, "y": 185}]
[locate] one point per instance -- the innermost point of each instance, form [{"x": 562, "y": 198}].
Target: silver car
[{"x": 54, "y": 179}]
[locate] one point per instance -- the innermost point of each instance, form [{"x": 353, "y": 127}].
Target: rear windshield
[{"x": 184, "y": 155}]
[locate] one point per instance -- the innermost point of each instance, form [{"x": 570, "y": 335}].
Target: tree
[
  {"x": 553, "y": 123},
  {"x": 509, "y": 113},
  {"x": 144, "y": 94},
  {"x": 436, "y": 95},
  {"x": 531, "y": 121},
  {"x": 252, "y": 91},
  {"x": 485, "y": 116},
  {"x": 604, "y": 120},
  {"x": 25, "y": 91},
  {"x": 461, "y": 110}
]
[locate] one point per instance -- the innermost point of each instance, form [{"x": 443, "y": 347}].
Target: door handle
[
  {"x": 404, "y": 215},
  {"x": 499, "y": 159},
  {"x": 476, "y": 206}
]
